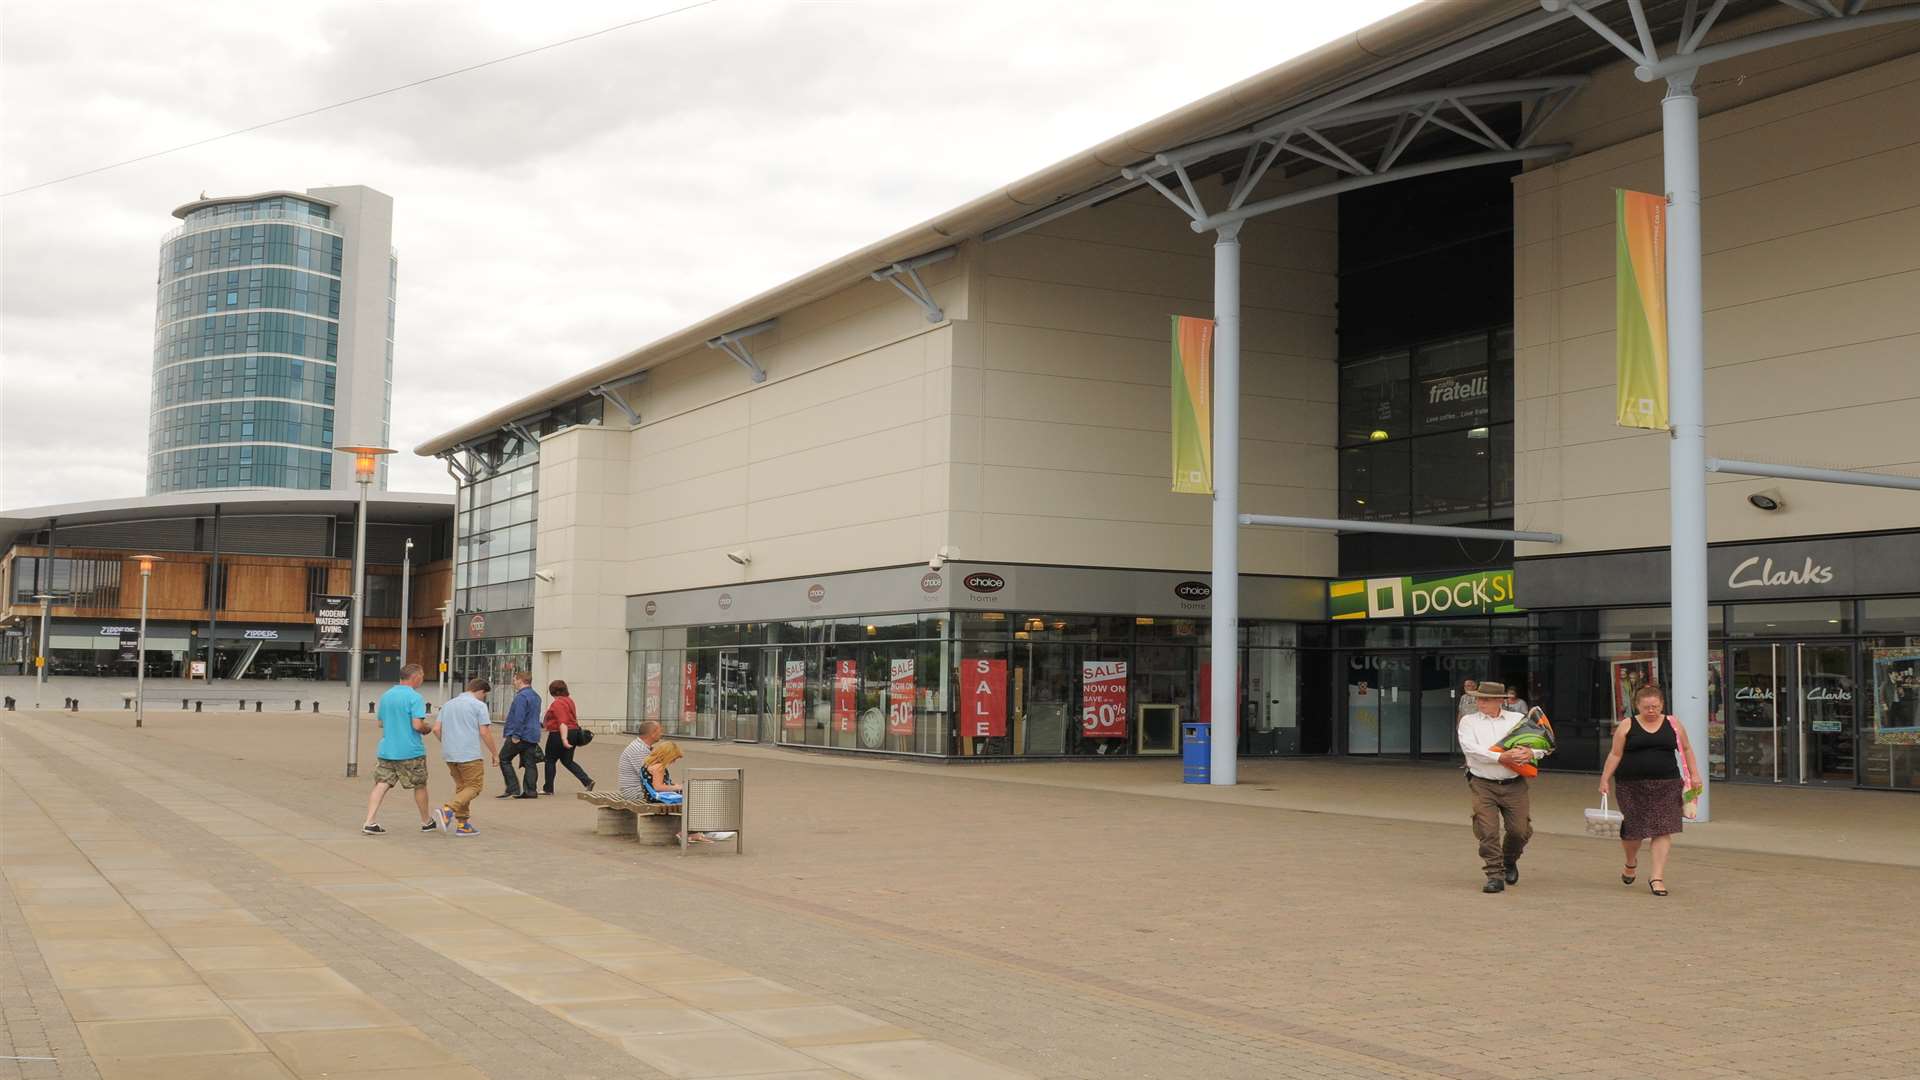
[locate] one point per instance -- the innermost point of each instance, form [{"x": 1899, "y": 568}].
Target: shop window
[
  {"x": 1899, "y": 615},
  {"x": 1812, "y": 618}
]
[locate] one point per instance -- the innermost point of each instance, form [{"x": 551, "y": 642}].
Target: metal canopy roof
[{"x": 1425, "y": 48}]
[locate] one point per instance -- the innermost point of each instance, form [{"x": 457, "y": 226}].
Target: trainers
[
  {"x": 466, "y": 828},
  {"x": 372, "y": 829},
  {"x": 431, "y": 826},
  {"x": 443, "y": 819}
]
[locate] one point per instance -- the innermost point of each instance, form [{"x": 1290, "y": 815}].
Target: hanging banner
[
  {"x": 794, "y": 713},
  {"x": 983, "y": 699},
  {"x": 689, "y": 683},
  {"x": 1896, "y": 697},
  {"x": 846, "y": 693},
  {"x": 1192, "y": 405},
  {"x": 900, "y": 698},
  {"x": 650, "y": 705},
  {"x": 1640, "y": 308},
  {"x": 332, "y": 622},
  {"x": 1103, "y": 699},
  {"x": 129, "y": 646}
]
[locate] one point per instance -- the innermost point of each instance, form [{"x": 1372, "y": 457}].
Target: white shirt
[{"x": 1478, "y": 732}]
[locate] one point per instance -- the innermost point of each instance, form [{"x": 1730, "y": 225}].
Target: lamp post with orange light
[
  {"x": 366, "y": 461},
  {"x": 140, "y": 657}
]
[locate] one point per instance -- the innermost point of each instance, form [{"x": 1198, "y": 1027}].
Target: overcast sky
[{"x": 551, "y": 212}]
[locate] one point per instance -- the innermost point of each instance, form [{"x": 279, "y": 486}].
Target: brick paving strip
[{"x": 166, "y": 976}]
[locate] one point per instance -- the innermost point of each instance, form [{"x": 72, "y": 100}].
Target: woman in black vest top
[{"x": 1650, "y": 787}]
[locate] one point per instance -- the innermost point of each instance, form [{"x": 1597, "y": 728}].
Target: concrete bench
[{"x": 653, "y": 824}]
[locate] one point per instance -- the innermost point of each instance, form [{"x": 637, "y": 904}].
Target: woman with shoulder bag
[
  {"x": 1652, "y": 760},
  {"x": 562, "y": 724}
]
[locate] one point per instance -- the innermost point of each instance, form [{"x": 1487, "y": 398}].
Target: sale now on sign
[
  {"x": 983, "y": 699},
  {"x": 794, "y": 716},
  {"x": 1103, "y": 699},
  {"x": 900, "y": 698},
  {"x": 846, "y": 693},
  {"x": 689, "y": 683}
]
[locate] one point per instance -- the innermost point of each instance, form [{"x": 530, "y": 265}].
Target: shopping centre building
[
  {"x": 917, "y": 501},
  {"x": 234, "y": 591}
]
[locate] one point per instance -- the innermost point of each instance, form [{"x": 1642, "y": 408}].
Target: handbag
[
  {"x": 581, "y": 736},
  {"x": 539, "y": 753},
  {"x": 1603, "y": 822},
  {"x": 1690, "y": 783}
]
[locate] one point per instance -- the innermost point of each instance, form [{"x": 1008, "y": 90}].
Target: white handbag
[{"x": 1603, "y": 822}]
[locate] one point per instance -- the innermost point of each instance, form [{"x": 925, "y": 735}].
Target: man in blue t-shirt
[{"x": 402, "y": 755}]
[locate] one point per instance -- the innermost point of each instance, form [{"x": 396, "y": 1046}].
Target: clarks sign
[{"x": 1754, "y": 572}]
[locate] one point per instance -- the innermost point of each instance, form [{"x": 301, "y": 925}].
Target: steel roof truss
[
  {"x": 731, "y": 344},
  {"x": 1689, "y": 55},
  {"x": 905, "y": 276}
]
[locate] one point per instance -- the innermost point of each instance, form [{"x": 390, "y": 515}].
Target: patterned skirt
[{"x": 1648, "y": 807}]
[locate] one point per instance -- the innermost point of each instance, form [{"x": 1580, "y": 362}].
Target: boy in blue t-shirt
[{"x": 402, "y": 755}]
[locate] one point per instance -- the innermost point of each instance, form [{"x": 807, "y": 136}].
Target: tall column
[
  {"x": 357, "y": 629},
  {"x": 1686, "y": 376},
  {"x": 1224, "y": 763}
]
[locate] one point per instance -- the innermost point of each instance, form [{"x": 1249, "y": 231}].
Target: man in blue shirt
[
  {"x": 522, "y": 739},
  {"x": 402, "y": 755},
  {"x": 464, "y": 726}
]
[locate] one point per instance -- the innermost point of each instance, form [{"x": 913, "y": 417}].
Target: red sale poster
[
  {"x": 689, "y": 682},
  {"x": 846, "y": 693},
  {"x": 900, "y": 698},
  {"x": 1103, "y": 699},
  {"x": 794, "y": 715},
  {"x": 983, "y": 699}
]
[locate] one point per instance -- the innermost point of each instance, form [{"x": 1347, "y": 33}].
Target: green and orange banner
[
  {"x": 1192, "y": 405},
  {"x": 1640, "y": 308}
]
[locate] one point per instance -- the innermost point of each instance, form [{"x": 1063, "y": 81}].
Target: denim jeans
[{"x": 524, "y": 750}]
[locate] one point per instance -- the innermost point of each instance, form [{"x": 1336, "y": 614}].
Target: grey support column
[
  {"x": 1687, "y": 460},
  {"x": 1224, "y": 762}
]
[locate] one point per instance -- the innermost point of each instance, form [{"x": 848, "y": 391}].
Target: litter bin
[
  {"x": 716, "y": 801},
  {"x": 1196, "y": 752}
]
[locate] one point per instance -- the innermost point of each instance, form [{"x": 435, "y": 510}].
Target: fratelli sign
[{"x": 1484, "y": 592}]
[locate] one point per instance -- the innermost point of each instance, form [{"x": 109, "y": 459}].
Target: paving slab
[
  {"x": 171, "y": 1037},
  {"x": 638, "y": 1016},
  {"x": 714, "y": 1053},
  {"x": 313, "y": 1013},
  {"x": 815, "y": 1025},
  {"x": 260, "y": 1066},
  {"x": 318, "y": 1054},
  {"x": 143, "y": 1003},
  {"x": 914, "y": 1059}
]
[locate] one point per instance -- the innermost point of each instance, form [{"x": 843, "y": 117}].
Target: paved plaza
[{"x": 193, "y": 900}]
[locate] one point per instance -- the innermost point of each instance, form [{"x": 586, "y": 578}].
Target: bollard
[
  {"x": 256, "y": 705},
  {"x": 183, "y": 704},
  {"x": 243, "y": 704},
  {"x": 296, "y": 704},
  {"x": 370, "y": 708},
  {"x": 197, "y": 704},
  {"x": 126, "y": 702},
  {"x": 9, "y": 704},
  {"x": 316, "y": 707}
]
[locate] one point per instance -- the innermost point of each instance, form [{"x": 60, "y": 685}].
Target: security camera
[
  {"x": 544, "y": 575},
  {"x": 1768, "y": 500},
  {"x": 940, "y": 557},
  {"x": 740, "y": 556}
]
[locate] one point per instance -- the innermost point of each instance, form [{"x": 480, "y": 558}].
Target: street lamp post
[
  {"x": 366, "y": 460},
  {"x": 406, "y": 580},
  {"x": 40, "y": 670},
  {"x": 140, "y": 658},
  {"x": 446, "y": 645}
]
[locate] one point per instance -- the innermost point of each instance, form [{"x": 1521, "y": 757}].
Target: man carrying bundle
[{"x": 1499, "y": 791}]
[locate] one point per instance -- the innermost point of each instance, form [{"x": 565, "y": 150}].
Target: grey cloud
[{"x": 551, "y": 212}]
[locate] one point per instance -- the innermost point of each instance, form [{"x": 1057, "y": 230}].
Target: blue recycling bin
[{"x": 1196, "y": 753}]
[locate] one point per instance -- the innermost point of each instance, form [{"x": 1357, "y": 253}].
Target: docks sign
[{"x": 1483, "y": 592}]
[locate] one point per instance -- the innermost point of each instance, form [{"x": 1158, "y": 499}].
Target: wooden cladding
[{"x": 259, "y": 588}]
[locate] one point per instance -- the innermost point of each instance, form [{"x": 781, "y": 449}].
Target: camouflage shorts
[{"x": 409, "y": 774}]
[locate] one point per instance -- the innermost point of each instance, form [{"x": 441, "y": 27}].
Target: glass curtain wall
[
  {"x": 493, "y": 569},
  {"x": 246, "y": 317}
]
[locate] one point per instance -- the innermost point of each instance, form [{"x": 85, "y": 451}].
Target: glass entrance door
[
  {"x": 1794, "y": 709},
  {"x": 1826, "y": 704},
  {"x": 731, "y": 690},
  {"x": 1380, "y": 703}
]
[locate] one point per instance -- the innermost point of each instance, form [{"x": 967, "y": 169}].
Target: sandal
[
  {"x": 1657, "y": 892},
  {"x": 1627, "y": 879}
]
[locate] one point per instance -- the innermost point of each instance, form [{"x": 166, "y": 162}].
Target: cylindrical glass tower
[{"x": 251, "y": 371}]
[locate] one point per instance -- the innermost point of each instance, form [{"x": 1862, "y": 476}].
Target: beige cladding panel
[{"x": 1811, "y": 237}]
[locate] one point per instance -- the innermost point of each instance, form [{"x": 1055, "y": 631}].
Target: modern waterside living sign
[
  {"x": 1840, "y": 566},
  {"x": 1481, "y": 592}
]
